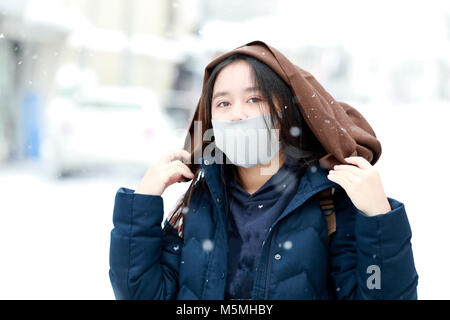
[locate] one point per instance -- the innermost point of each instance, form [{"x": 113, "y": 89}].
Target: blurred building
[{"x": 120, "y": 42}]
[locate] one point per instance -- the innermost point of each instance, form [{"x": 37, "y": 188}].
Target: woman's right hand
[{"x": 166, "y": 171}]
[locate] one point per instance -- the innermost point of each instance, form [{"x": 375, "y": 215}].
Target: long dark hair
[{"x": 298, "y": 143}]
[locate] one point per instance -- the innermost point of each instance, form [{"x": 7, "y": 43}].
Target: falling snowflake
[
  {"x": 326, "y": 121},
  {"x": 287, "y": 245},
  {"x": 294, "y": 131},
  {"x": 314, "y": 95},
  {"x": 207, "y": 245},
  {"x": 185, "y": 210}
]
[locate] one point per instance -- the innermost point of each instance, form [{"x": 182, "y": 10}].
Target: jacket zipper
[{"x": 266, "y": 287}]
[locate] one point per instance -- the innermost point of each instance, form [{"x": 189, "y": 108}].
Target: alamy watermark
[
  {"x": 374, "y": 280},
  {"x": 242, "y": 146}
]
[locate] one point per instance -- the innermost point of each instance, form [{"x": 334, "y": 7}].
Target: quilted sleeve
[
  {"x": 144, "y": 258},
  {"x": 371, "y": 257}
]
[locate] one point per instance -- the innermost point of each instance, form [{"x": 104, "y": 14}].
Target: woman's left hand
[{"x": 362, "y": 184}]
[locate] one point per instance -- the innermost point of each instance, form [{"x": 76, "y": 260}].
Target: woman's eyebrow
[{"x": 223, "y": 93}]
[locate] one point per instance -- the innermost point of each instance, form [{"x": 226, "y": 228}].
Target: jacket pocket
[{"x": 193, "y": 266}]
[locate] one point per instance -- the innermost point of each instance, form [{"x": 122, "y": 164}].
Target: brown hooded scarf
[{"x": 340, "y": 128}]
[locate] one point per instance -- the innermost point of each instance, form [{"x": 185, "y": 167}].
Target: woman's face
[{"x": 233, "y": 97}]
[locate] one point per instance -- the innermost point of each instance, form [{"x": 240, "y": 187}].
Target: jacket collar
[{"x": 313, "y": 181}]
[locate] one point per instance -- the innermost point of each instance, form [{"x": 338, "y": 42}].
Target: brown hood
[{"x": 340, "y": 128}]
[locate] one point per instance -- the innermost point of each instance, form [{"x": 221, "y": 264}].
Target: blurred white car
[{"x": 106, "y": 126}]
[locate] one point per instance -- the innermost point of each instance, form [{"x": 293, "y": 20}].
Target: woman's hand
[
  {"x": 166, "y": 171},
  {"x": 362, "y": 184}
]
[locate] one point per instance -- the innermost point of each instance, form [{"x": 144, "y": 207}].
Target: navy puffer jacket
[{"x": 367, "y": 257}]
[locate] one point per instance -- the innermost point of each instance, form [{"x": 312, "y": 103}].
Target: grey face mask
[{"x": 247, "y": 142}]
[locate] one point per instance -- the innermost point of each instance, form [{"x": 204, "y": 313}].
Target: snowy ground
[{"x": 54, "y": 235}]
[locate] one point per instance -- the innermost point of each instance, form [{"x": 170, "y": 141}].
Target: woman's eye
[
  {"x": 219, "y": 105},
  {"x": 254, "y": 98}
]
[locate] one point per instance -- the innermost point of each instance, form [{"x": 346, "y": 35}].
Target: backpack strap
[{"x": 327, "y": 206}]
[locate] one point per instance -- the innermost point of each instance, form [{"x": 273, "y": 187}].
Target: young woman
[{"x": 251, "y": 224}]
